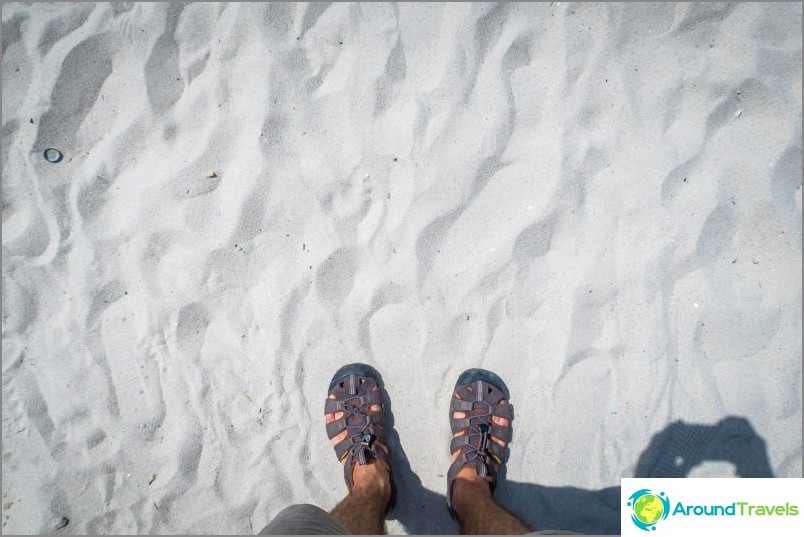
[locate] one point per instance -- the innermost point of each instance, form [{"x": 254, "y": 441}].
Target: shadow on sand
[{"x": 673, "y": 452}]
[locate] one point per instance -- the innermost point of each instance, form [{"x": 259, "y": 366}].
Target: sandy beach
[{"x": 599, "y": 202}]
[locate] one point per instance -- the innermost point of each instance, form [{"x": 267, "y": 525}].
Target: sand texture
[{"x": 601, "y": 203}]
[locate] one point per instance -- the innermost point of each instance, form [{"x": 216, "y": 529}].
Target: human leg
[
  {"x": 477, "y": 512},
  {"x": 363, "y": 510}
]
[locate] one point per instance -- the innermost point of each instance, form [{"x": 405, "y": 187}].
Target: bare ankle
[
  {"x": 478, "y": 513},
  {"x": 467, "y": 491},
  {"x": 373, "y": 479}
]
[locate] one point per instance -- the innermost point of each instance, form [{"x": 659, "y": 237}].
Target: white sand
[{"x": 600, "y": 203}]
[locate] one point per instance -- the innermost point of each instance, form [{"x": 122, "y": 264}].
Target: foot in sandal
[
  {"x": 355, "y": 419},
  {"x": 480, "y": 419}
]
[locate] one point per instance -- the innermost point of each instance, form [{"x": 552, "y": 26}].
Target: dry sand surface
[{"x": 601, "y": 203}]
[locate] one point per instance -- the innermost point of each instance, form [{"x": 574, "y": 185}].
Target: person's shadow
[{"x": 673, "y": 452}]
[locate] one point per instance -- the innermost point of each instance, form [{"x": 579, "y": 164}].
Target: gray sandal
[
  {"x": 352, "y": 387},
  {"x": 480, "y": 394}
]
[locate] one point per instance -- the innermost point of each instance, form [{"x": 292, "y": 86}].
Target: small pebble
[
  {"x": 53, "y": 155},
  {"x": 62, "y": 523},
  {"x": 211, "y": 174}
]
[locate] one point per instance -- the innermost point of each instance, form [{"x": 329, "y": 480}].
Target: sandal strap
[
  {"x": 335, "y": 427},
  {"x": 336, "y": 405},
  {"x": 458, "y": 424},
  {"x": 503, "y": 433},
  {"x": 332, "y": 405},
  {"x": 503, "y": 411},
  {"x": 372, "y": 398},
  {"x": 368, "y": 422},
  {"x": 461, "y": 405},
  {"x": 342, "y": 447},
  {"x": 459, "y": 442},
  {"x": 355, "y": 444}
]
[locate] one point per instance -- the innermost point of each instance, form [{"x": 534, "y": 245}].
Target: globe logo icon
[{"x": 648, "y": 508}]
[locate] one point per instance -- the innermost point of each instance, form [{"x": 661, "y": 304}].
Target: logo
[
  {"x": 648, "y": 508},
  {"x": 683, "y": 506}
]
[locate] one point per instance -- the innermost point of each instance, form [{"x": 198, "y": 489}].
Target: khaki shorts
[{"x": 306, "y": 519}]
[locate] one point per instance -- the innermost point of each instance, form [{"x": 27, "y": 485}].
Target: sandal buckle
[
  {"x": 484, "y": 440},
  {"x": 368, "y": 440}
]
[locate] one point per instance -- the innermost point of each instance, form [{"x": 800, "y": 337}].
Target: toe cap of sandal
[
  {"x": 359, "y": 369},
  {"x": 475, "y": 374}
]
